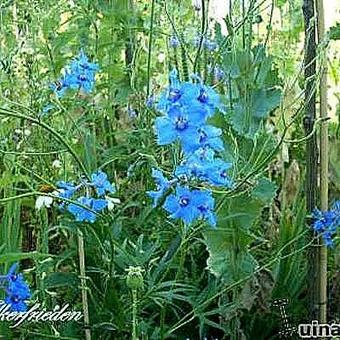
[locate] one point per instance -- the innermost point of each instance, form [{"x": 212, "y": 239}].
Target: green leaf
[
  {"x": 248, "y": 114},
  {"x": 231, "y": 267},
  {"x": 265, "y": 190},
  {"x": 334, "y": 32},
  {"x": 61, "y": 279},
  {"x": 228, "y": 244},
  {"x": 14, "y": 257}
]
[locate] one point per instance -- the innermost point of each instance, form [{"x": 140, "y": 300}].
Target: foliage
[{"x": 84, "y": 93}]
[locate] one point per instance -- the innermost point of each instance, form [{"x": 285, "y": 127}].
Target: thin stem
[
  {"x": 134, "y": 314},
  {"x": 81, "y": 253},
  {"x": 9, "y": 113},
  {"x": 150, "y": 47}
]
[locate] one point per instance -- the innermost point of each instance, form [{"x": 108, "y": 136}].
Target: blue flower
[
  {"x": 17, "y": 290},
  {"x": 59, "y": 87},
  {"x": 86, "y": 215},
  {"x": 210, "y": 45},
  {"x": 217, "y": 173},
  {"x": 79, "y": 75},
  {"x": 173, "y": 41},
  {"x": 178, "y": 125},
  {"x": 205, "y": 203},
  {"x": 101, "y": 183},
  {"x": 218, "y": 73},
  {"x": 210, "y": 137},
  {"x": 182, "y": 205},
  {"x": 191, "y": 205},
  {"x": 66, "y": 190},
  {"x": 196, "y": 165},
  {"x": 326, "y": 223},
  {"x": 162, "y": 185}
]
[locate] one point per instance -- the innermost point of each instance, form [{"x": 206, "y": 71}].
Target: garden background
[{"x": 157, "y": 224}]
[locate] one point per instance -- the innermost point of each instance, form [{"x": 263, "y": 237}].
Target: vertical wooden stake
[
  {"x": 82, "y": 271},
  {"x": 323, "y": 162},
  {"x": 311, "y": 145}
]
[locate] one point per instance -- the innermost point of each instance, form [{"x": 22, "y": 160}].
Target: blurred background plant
[{"x": 193, "y": 282}]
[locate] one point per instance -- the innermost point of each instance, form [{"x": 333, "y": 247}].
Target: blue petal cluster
[
  {"x": 79, "y": 75},
  {"x": 88, "y": 206},
  {"x": 326, "y": 223},
  {"x": 17, "y": 290},
  {"x": 190, "y": 205},
  {"x": 186, "y": 108}
]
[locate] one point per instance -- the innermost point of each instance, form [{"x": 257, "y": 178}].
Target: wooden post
[
  {"x": 311, "y": 145},
  {"x": 323, "y": 161}
]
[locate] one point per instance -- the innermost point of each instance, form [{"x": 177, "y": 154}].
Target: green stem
[
  {"x": 82, "y": 271},
  {"x": 150, "y": 47},
  {"x": 59, "y": 137},
  {"x": 134, "y": 314}
]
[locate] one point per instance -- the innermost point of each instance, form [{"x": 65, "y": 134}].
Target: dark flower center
[
  {"x": 84, "y": 66},
  {"x": 13, "y": 277},
  {"x": 224, "y": 174},
  {"x": 174, "y": 95},
  {"x": 15, "y": 298},
  {"x": 184, "y": 201},
  {"x": 203, "y": 97},
  {"x": 181, "y": 123},
  {"x": 203, "y": 209},
  {"x": 82, "y": 77},
  {"x": 203, "y": 136}
]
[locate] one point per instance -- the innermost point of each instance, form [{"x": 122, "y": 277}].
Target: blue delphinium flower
[
  {"x": 218, "y": 73},
  {"x": 191, "y": 97},
  {"x": 205, "y": 203},
  {"x": 326, "y": 223},
  {"x": 162, "y": 184},
  {"x": 101, "y": 183},
  {"x": 17, "y": 290},
  {"x": 209, "y": 136},
  {"x": 186, "y": 107},
  {"x": 65, "y": 189},
  {"x": 190, "y": 205},
  {"x": 217, "y": 173},
  {"x": 182, "y": 205},
  {"x": 173, "y": 41},
  {"x": 87, "y": 215},
  {"x": 210, "y": 45},
  {"x": 196, "y": 165},
  {"x": 178, "y": 124},
  {"x": 94, "y": 200},
  {"x": 79, "y": 75},
  {"x": 60, "y": 86}
]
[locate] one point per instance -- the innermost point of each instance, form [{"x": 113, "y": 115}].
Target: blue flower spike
[
  {"x": 85, "y": 208},
  {"x": 79, "y": 75},
  {"x": 325, "y": 223},
  {"x": 162, "y": 184},
  {"x": 186, "y": 108},
  {"x": 17, "y": 290}
]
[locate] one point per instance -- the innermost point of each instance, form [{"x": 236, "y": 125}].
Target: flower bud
[{"x": 134, "y": 278}]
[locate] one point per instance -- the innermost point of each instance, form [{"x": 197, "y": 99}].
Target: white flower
[
  {"x": 111, "y": 202},
  {"x": 161, "y": 57},
  {"x": 27, "y": 132},
  {"x": 56, "y": 164},
  {"x": 43, "y": 201},
  {"x": 197, "y": 4}
]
